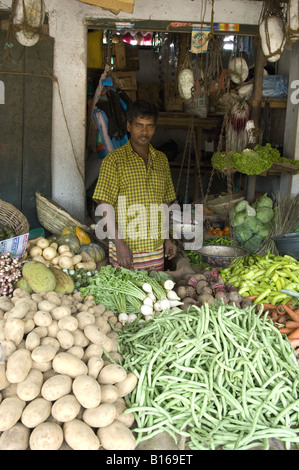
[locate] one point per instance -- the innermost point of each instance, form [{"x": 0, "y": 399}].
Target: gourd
[{"x": 95, "y": 251}]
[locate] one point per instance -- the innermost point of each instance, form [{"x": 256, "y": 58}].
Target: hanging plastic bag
[{"x": 186, "y": 79}]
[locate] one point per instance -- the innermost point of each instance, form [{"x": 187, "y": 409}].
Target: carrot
[
  {"x": 285, "y": 331},
  {"x": 274, "y": 315},
  {"x": 280, "y": 310},
  {"x": 294, "y": 334},
  {"x": 292, "y": 324},
  {"x": 269, "y": 306},
  {"x": 291, "y": 313},
  {"x": 295, "y": 343},
  {"x": 252, "y": 297}
]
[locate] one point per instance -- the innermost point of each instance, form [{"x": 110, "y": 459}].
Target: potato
[
  {"x": 127, "y": 385},
  {"x": 53, "y": 329},
  {"x": 95, "y": 364},
  {"x": 116, "y": 436},
  {"x": 109, "y": 393},
  {"x": 11, "y": 409},
  {"x": 56, "y": 387},
  {"x": 29, "y": 324},
  {"x": 18, "y": 366},
  {"x": 60, "y": 312},
  {"x": 65, "y": 408},
  {"x": 30, "y": 388},
  {"x": 85, "y": 318},
  {"x": 101, "y": 416},
  {"x": 127, "y": 419},
  {"x": 14, "y": 330},
  {"x": 42, "y": 318},
  {"x": 87, "y": 391},
  {"x": 77, "y": 351},
  {"x": 68, "y": 323},
  {"x": 46, "y": 306},
  {"x": 94, "y": 334},
  {"x": 92, "y": 350},
  {"x": 66, "y": 363},
  {"x": 80, "y": 339},
  {"x": 3, "y": 380},
  {"x": 102, "y": 324},
  {"x": 8, "y": 347},
  {"x": 79, "y": 436},
  {"x": 36, "y": 412},
  {"x": 43, "y": 353},
  {"x": 49, "y": 340},
  {"x": 65, "y": 338},
  {"x": 42, "y": 366},
  {"x": 46, "y": 436},
  {"x": 19, "y": 310},
  {"x": 32, "y": 340},
  {"x": 112, "y": 374},
  {"x": 15, "y": 438}
]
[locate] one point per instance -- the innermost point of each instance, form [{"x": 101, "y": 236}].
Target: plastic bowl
[
  {"x": 220, "y": 256},
  {"x": 288, "y": 244}
]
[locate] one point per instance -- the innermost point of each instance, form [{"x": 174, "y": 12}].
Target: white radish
[
  {"x": 147, "y": 288},
  {"x": 172, "y": 295},
  {"x": 148, "y": 301},
  {"x": 168, "y": 284},
  {"x": 132, "y": 317},
  {"x": 175, "y": 303},
  {"x": 123, "y": 318},
  {"x": 164, "y": 304},
  {"x": 146, "y": 310}
]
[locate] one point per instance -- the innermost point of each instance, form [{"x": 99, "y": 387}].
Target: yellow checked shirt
[{"x": 136, "y": 192}]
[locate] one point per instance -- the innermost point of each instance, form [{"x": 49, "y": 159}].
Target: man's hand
[
  {"x": 170, "y": 249},
  {"x": 124, "y": 254}
]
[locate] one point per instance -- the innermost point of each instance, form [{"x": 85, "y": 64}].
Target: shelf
[{"x": 275, "y": 103}]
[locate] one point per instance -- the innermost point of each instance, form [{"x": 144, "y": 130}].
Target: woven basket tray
[
  {"x": 54, "y": 217},
  {"x": 13, "y": 218}
]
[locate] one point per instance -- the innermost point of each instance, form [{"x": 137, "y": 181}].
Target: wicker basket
[
  {"x": 54, "y": 217},
  {"x": 13, "y": 218}
]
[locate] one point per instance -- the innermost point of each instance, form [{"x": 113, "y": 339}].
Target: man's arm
[{"x": 123, "y": 253}]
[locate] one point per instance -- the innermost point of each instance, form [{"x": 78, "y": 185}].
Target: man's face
[{"x": 141, "y": 130}]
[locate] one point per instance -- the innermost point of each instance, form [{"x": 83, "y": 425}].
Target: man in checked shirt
[{"x": 134, "y": 179}]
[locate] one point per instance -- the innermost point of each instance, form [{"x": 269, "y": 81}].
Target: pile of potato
[{"x": 62, "y": 384}]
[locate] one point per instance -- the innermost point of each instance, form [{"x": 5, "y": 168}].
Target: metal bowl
[
  {"x": 220, "y": 256},
  {"x": 288, "y": 244}
]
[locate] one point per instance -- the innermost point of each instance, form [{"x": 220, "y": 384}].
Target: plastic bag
[{"x": 275, "y": 86}]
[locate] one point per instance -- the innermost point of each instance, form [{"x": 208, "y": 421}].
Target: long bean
[{"x": 217, "y": 375}]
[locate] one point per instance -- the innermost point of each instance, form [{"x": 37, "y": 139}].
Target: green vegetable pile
[
  {"x": 216, "y": 376},
  {"x": 81, "y": 277},
  {"x": 6, "y": 232},
  {"x": 250, "y": 161},
  {"x": 123, "y": 291},
  {"x": 263, "y": 276},
  {"x": 252, "y": 223}
]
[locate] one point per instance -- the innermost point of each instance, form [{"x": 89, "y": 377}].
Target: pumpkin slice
[{"x": 82, "y": 236}]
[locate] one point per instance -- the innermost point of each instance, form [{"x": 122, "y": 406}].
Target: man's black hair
[{"x": 143, "y": 109}]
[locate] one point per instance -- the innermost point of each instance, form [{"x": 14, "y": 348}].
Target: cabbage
[
  {"x": 253, "y": 223},
  {"x": 238, "y": 219},
  {"x": 264, "y": 231},
  {"x": 250, "y": 211},
  {"x": 253, "y": 243},
  {"x": 263, "y": 201},
  {"x": 265, "y": 214},
  {"x": 240, "y": 206},
  {"x": 242, "y": 233}
]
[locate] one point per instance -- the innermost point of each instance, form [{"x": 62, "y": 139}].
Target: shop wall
[{"x": 67, "y": 25}]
